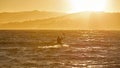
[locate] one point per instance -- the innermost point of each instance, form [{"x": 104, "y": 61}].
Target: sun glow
[{"x": 88, "y": 5}]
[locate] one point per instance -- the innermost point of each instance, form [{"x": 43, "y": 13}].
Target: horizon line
[
  {"x": 60, "y": 12},
  {"x": 19, "y": 29}
]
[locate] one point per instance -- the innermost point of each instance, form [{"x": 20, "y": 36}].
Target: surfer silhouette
[{"x": 59, "y": 40}]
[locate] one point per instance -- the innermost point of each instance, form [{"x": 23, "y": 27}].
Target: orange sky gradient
[{"x": 48, "y": 5}]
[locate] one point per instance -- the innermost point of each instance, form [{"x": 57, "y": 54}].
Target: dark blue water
[{"x": 36, "y": 49}]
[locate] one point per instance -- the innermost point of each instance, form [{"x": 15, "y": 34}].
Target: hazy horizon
[
  {"x": 58, "y": 21},
  {"x": 60, "y": 12}
]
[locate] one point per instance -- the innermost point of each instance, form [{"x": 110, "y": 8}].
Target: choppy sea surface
[{"x": 37, "y": 49}]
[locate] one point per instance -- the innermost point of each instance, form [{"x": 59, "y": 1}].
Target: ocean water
[{"x": 38, "y": 49}]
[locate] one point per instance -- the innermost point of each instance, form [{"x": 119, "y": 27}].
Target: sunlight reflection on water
[{"x": 82, "y": 49}]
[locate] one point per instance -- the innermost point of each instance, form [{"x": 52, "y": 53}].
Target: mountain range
[
  {"x": 7, "y": 17},
  {"x": 62, "y": 21}
]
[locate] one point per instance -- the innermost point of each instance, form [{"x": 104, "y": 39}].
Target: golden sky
[{"x": 48, "y": 5}]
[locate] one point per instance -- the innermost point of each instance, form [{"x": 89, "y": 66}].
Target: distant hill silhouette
[
  {"x": 82, "y": 21},
  {"x": 26, "y": 16}
]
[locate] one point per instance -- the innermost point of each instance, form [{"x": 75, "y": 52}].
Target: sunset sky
[{"x": 56, "y": 5}]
